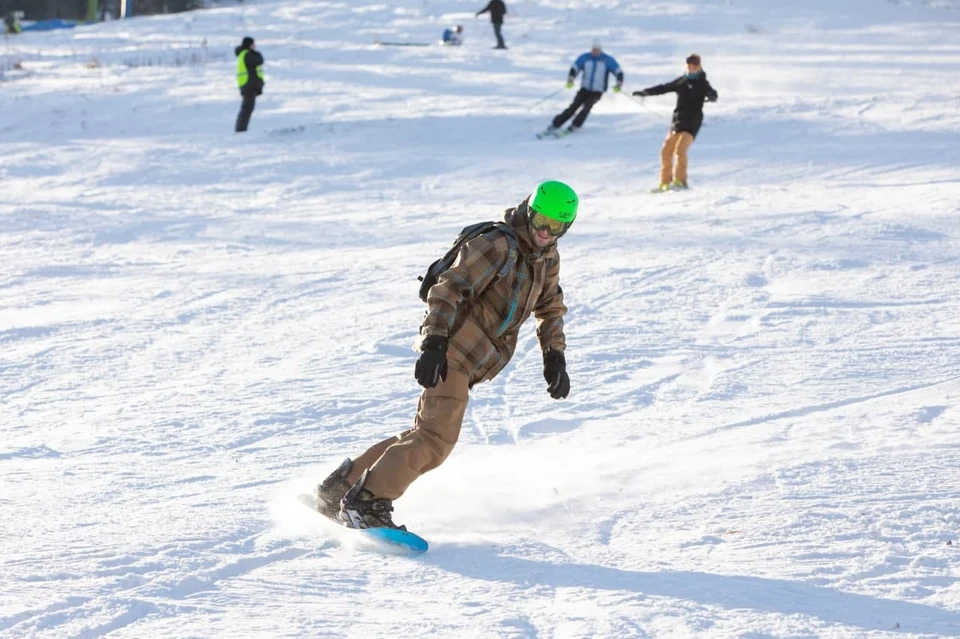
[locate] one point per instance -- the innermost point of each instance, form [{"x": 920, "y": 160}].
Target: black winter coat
[
  {"x": 497, "y": 10},
  {"x": 691, "y": 94},
  {"x": 254, "y": 85}
]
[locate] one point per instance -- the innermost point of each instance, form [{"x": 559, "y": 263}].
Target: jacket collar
[{"x": 517, "y": 218}]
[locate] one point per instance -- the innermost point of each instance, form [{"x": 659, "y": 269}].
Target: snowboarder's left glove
[
  {"x": 432, "y": 365},
  {"x": 555, "y": 372}
]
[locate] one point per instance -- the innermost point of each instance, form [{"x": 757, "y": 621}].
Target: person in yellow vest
[
  {"x": 12, "y": 23},
  {"x": 249, "y": 79}
]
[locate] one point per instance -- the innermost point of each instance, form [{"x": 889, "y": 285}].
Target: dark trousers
[
  {"x": 496, "y": 32},
  {"x": 585, "y": 99},
  {"x": 246, "y": 110}
]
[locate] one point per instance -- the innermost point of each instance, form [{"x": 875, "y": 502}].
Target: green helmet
[{"x": 556, "y": 201}]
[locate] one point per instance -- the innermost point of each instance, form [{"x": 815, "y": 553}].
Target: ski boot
[
  {"x": 332, "y": 490},
  {"x": 362, "y": 509},
  {"x": 677, "y": 185}
]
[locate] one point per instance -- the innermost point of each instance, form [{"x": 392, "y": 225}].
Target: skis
[
  {"x": 385, "y": 540},
  {"x": 551, "y": 132}
]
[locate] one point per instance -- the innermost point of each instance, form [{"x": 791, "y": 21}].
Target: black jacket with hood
[
  {"x": 691, "y": 94},
  {"x": 497, "y": 10}
]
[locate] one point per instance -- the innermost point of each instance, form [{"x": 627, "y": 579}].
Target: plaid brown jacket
[{"x": 482, "y": 314}]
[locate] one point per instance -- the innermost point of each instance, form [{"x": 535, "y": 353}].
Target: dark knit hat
[
  {"x": 693, "y": 58},
  {"x": 247, "y": 42}
]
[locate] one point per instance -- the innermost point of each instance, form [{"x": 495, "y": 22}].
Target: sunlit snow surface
[{"x": 196, "y": 326}]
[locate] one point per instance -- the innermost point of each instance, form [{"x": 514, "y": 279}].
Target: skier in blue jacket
[{"x": 595, "y": 66}]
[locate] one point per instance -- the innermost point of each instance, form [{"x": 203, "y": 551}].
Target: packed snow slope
[{"x": 196, "y": 326}]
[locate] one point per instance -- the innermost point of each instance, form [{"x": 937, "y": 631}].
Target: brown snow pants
[
  {"x": 676, "y": 144},
  {"x": 397, "y": 461}
]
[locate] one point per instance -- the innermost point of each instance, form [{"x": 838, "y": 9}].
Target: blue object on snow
[
  {"x": 400, "y": 538},
  {"x": 452, "y": 36}
]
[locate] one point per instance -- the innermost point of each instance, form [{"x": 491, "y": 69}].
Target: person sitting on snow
[{"x": 453, "y": 36}]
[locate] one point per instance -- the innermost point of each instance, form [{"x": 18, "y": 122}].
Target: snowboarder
[
  {"x": 249, "y": 79},
  {"x": 497, "y": 10},
  {"x": 692, "y": 91},
  {"x": 596, "y": 67},
  {"x": 453, "y": 36},
  {"x": 469, "y": 334}
]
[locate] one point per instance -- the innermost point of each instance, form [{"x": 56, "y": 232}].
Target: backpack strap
[
  {"x": 512, "y": 255},
  {"x": 512, "y": 244}
]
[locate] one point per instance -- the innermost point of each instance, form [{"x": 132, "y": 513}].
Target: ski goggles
[{"x": 539, "y": 222}]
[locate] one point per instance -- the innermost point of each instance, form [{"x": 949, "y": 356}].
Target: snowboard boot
[
  {"x": 362, "y": 509},
  {"x": 332, "y": 489}
]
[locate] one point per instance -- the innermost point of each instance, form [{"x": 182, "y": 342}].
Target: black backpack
[{"x": 467, "y": 234}]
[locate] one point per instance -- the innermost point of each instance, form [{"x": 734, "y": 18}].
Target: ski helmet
[{"x": 556, "y": 201}]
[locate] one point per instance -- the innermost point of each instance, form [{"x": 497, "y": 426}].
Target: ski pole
[
  {"x": 640, "y": 102},
  {"x": 545, "y": 98}
]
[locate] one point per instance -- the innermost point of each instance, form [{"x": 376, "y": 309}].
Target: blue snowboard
[
  {"x": 403, "y": 539},
  {"x": 377, "y": 539}
]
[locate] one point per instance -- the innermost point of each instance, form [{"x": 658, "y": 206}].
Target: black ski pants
[
  {"x": 246, "y": 110},
  {"x": 496, "y": 31},
  {"x": 584, "y": 101}
]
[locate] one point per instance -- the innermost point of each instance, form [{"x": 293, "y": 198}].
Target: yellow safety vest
[{"x": 242, "y": 75}]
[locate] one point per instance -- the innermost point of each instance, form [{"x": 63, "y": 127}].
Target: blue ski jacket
[{"x": 595, "y": 71}]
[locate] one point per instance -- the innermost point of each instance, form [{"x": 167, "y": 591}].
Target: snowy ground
[{"x": 761, "y": 438}]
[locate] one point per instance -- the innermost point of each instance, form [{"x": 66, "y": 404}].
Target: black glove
[
  {"x": 642, "y": 94},
  {"x": 555, "y": 372},
  {"x": 432, "y": 364}
]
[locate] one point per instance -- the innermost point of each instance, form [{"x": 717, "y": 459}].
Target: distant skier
[
  {"x": 12, "y": 23},
  {"x": 595, "y": 66},
  {"x": 692, "y": 91},
  {"x": 470, "y": 332},
  {"x": 453, "y": 36},
  {"x": 249, "y": 79},
  {"x": 497, "y": 10}
]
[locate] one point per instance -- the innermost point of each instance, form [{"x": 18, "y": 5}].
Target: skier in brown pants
[
  {"x": 692, "y": 89},
  {"x": 474, "y": 315}
]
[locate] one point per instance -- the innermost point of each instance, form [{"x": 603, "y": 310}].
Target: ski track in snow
[{"x": 195, "y": 327}]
